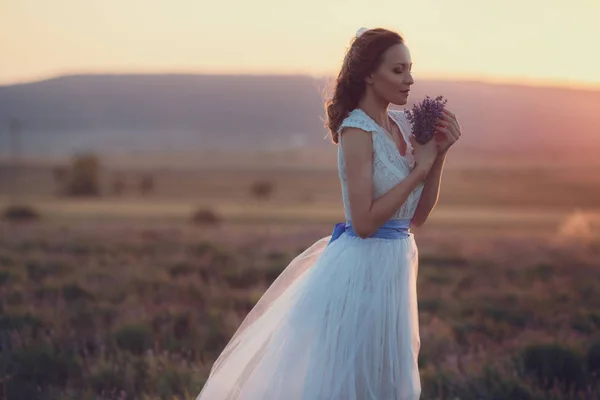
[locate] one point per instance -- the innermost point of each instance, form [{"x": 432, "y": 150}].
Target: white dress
[{"x": 340, "y": 322}]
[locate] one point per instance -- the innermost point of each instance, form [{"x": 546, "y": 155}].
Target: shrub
[
  {"x": 146, "y": 185},
  {"x": 84, "y": 176},
  {"x": 108, "y": 381},
  {"x": 20, "y": 213},
  {"x": 216, "y": 337},
  {"x": 173, "y": 382},
  {"x": 135, "y": 339},
  {"x": 38, "y": 271},
  {"x": 5, "y": 276},
  {"x": 553, "y": 364},
  {"x": 73, "y": 292},
  {"x": 262, "y": 190},
  {"x": 592, "y": 358},
  {"x": 11, "y": 322},
  {"x": 118, "y": 185},
  {"x": 60, "y": 174},
  {"x": 181, "y": 269},
  {"x": 39, "y": 367},
  {"x": 206, "y": 217}
]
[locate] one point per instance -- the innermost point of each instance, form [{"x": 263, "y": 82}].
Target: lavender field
[{"x": 126, "y": 297}]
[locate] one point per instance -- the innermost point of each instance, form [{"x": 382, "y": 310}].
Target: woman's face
[{"x": 393, "y": 79}]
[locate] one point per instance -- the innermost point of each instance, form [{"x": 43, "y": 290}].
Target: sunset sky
[{"x": 531, "y": 41}]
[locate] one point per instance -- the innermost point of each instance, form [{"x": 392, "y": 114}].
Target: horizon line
[{"x": 491, "y": 80}]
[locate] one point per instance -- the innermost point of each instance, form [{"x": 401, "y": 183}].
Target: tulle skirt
[{"x": 339, "y": 323}]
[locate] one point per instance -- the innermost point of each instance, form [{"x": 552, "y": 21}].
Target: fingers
[
  {"x": 449, "y": 129},
  {"x": 449, "y": 113},
  {"x": 451, "y": 117},
  {"x": 413, "y": 141},
  {"x": 452, "y": 137},
  {"x": 451, "y": 123}
]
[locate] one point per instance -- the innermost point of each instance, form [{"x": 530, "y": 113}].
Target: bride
[{"x": 341, "y": 322}]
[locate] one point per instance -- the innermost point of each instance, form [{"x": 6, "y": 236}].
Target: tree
[
  {"x": 84, "y": 176},
  {"x": 262, "y": 190},
  {"x": 146, "y": 184}
]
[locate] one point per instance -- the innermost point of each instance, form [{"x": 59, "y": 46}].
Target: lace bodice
[{"x": 389, "y": 166}]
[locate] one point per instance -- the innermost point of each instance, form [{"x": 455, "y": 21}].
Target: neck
[{"x": 375, "y": 108}]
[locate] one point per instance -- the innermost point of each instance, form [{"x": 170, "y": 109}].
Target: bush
[
  {"x": 19, "y": 321},
  {"x": 217, "y": 336},
  {"x": 73, "y": 292},
  {"x": 135, "y": 339},
  {"x": 108, "y": 381},
  {"x": 206, "y": 217},
  {"x": 592, "y": 358},
  {"x": 46, "y": 293},
  {"x": 38, "y": 271},
  {"x": 146, "y": 185},
  {"x": 262, "y": 190},
  {"x": 174, "y": 383},
  {"x": 60, "y": 174},
  {"x": 39, "y": 367},
  {"x": 84, "y": 176},
  {"x": 20, "y": 213},
  {"x": 240, "y": 277},
  {"x": 553, "y": 364},
  {"x": 118, "y": 186},
  {"x": 181, "y": 269},
  {"x": 5, "y": 276},
  {"x": 273, "y": 271}
]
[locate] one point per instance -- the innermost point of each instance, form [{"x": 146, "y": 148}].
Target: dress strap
[{"x": 358, "y": 119}]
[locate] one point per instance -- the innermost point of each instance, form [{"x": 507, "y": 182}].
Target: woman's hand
[
  {"x": 424, "y": 154},
  {"x": 447, "y": 131}
]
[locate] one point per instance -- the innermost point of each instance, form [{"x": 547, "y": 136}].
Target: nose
[{"x": 409, "y": 80}]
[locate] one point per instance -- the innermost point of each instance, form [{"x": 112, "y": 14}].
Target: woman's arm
[
  {"x": 367, "y": 214},
  {"x": 431, "y": 192}
]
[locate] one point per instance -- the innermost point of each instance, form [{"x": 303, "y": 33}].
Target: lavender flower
[{"x": 423, "y": 117}]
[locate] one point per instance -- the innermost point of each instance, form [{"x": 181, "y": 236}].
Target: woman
[{"x": 340, "y": 322}]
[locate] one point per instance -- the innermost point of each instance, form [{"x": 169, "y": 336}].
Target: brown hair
[{"x": 363, "y": 57}]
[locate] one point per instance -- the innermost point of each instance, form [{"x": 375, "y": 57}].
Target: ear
[{"x": 369, "y": 80}]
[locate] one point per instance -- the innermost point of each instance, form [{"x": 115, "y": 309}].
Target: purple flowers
[{"x": 423, "y": 117}]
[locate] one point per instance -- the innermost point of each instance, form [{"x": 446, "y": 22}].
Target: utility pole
[{"x": 14, "y": 132}]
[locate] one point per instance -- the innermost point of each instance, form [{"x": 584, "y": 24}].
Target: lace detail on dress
[
  {"x": 356, "y": 120},
  {"x": 389, "y": 166}
]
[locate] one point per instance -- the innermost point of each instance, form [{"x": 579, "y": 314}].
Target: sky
[{"x": 522, "y": 41}]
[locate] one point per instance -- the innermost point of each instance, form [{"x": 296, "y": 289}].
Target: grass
[
  {"x": 125, "y": 298},
  {"x": 140, "y": 312}
]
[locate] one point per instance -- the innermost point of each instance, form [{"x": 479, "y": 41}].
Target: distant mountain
[{"x": 174, "y": 112}]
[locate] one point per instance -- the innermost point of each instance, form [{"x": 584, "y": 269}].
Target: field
[{"x": 123, "y": 297}]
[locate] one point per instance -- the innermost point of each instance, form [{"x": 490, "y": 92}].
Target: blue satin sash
[{"x": 393, "y": 229}]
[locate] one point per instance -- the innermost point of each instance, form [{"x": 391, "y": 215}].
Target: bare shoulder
[
  {"x": 356, "y": 138},
  {"x": 357, "y": 146}
]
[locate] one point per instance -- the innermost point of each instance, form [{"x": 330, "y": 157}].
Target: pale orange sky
[{"x": 536, "y": 41}]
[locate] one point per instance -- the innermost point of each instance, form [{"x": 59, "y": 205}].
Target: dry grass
[
  {"x": 481, "y": 186},
  {"x": 125, "y": 298}
]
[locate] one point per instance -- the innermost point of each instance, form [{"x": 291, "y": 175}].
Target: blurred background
[{"x": 162, "y": 162}]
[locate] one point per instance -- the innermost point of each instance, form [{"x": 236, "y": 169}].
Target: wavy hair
[{"x": 363, "y": 57}]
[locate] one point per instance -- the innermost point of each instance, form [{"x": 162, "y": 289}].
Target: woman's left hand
[{"x": 447, "y": 131}]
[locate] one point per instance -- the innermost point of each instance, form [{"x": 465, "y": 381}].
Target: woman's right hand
[{"x": 424, "y": 154}]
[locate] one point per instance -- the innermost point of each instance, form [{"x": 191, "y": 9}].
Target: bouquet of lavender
[{"x": 423, "y": 116}]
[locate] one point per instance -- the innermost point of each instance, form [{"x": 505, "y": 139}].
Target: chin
[{"x": 400, "y": 102}]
